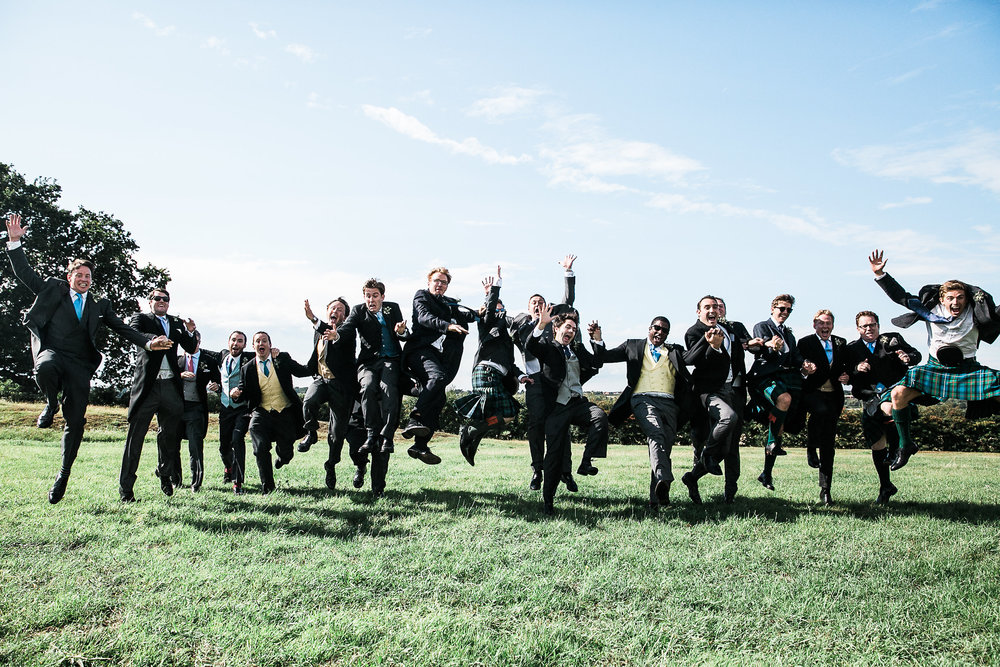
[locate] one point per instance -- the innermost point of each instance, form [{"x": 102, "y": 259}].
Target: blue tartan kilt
[
  {"x": 489, "y": 397},
  {"x": 969, "y": 381}
]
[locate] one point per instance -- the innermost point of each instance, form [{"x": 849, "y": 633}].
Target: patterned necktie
[
  {"x": 190, "y": 364},
  {"x": 78, "y": 305},
  {"x": 653, "y": 351}
]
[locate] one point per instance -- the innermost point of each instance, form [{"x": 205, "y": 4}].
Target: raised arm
[{"x": 569, "y": 286}]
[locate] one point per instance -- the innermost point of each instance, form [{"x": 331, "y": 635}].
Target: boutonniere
[
  {"x": 979, "y": 296},
  {"x": 883, "y": 339},
  {"x": 837, "y": 342},
  {"x": 386, "y": 310},
  {"x": 789, "y": 330}
]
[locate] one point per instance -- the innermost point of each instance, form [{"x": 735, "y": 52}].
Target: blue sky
[{"x": 268, "y": 153}]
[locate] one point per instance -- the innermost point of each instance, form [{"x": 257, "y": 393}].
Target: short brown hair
[
  {"x": 820, "y": 313},
  {"x": 783, "y": 297},
  {"x": 347, "y": 306},
  {"x": 558, "y": 320},
  {"x": 374, "y": 283},
  {"x": 865, "y": 313},
  {"x": 952, "y": 286},
  {"x": 75, "y": 264},
  {"x": 155, "y": 290},
  {"x": 440, "y": 269},
  {"x": 707, "y": 296}
]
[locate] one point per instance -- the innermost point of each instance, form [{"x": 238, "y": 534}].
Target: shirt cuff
[
  {"x": 13, "y": 245},
  {"x": 597, "y": 342},
  {"x": 536, "y": 332},
  {"x": 569, "y": 273}
]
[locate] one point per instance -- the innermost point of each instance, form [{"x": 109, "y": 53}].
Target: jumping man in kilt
[{"x": 958, "y": 317}]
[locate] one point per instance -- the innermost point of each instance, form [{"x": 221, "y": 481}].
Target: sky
[{"x": 268, "y": 153}]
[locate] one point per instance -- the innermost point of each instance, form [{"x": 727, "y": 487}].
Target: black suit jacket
[
  {"x": 521, "y": 325},
  {"x": 631, "y": 352},
  {"x": 431, "y": 317},
  {"x": 769, "y": 362},
  {"x": 711, "y": 368},
  {"x": 812, "y": 350},
  {"x": 147, "y": 362},
  {"x": 886, "y": 367},
  {"x": 286, "y": 368},
  {"x": 368, "y": 329},
  {"x": 985, "y": 313},
  {"x": 553, "y": 362},
  {"x": 52, "y": 300},
  {"x": 339, "y": 356},
  {"x": 495, "y": 343}
]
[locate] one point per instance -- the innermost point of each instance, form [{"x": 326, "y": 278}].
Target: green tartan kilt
[
  {"x": 765, "y": 390},
  {"x": 969, "y": 381},
  {"x": 489, "y": 398}
]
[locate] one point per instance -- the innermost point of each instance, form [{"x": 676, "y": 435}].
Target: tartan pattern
[
  {"x": 969, "y": 381},
  {"x": 488, "y": 397}
]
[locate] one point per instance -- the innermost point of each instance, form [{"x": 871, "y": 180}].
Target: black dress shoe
[
  {"x": 464, "y": 445},
  {"x": 415, "y": 429},
  {"x": 280, "y": 463},
  {"x": 586, "y": 468},
  {"x": 238, "y": 489},
  {"x": 710, "y": 464},
  {"x": 359, "y": 476},
  {"x": 195, "y": 488},
  {"x": 425, "y": 455},
  {"x": 570, "y": 483},
  {"x": 536, "y": 481},
  {"x": 774, "y": 449},
  {"x": 47, "y": 415},
  {"x": 371, "y": 443},
  {"x": 692, "y": 485},
  {"x": 729, "y": 498},
  {"x": 386, "y": 447},
  {"x": 662, "y": 492},
  {"x": 812, "y": 458},
  {"x": 227, "y": 476},
  {"x": 377, "y": 493},
  {"x": 903, "y": 456},
  {"x": 766, "y": 482},
  {"x": 267, "y": 489},
  {"x": 331, "y": 478},
  {"x": 308, "y": 441},
  {"x": 548, "y": 509},
  {"x": 884, "y": 493},
  {"x": 166, "y": 486},
  {"x": 58, "y": 489},
  {"x": 824, "y": 497},
  {"x": 130, "y": 498}
]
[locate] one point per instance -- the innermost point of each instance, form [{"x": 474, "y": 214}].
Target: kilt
[
  {"x": 489, "y": 397},
  {"x": 969, "y": 381},
  {"x": 764, "y": 391}
]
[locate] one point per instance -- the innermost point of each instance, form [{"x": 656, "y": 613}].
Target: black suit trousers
[
  {"x": 164, "y": 401},
  {"x": 234, "y": 422},
  {"x": 332, "y": 393},
  {"x": 434, "y": 371},
  {"x": 379, "y": 382},
  {"x": 577, "y": 412},
  {"x": 267, "y": 427},
  {"x": 824, "y": 408},
  {"x": 56, "y": 370}
]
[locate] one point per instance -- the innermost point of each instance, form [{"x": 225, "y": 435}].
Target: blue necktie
[
  {"x": 165, "y": 325},
  {"x": 78, "y": 305},
  {"x": 267, "y": 373},
  {"x": 653, "y": 351},
  {"x": 566, "y": 352},
  {"x": 829, "y": 351},
  {"x": 871, "y": 347}
]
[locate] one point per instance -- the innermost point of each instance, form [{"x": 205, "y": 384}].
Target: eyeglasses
[
  {"x": 160, "y": 298},
  {"x": 784, "y": 309},
  {"x": 867, "y": 326}
]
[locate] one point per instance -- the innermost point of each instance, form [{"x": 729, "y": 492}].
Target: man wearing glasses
[
  {"x": 776, "y": 379},
  {"x": 157, "y": 389}
]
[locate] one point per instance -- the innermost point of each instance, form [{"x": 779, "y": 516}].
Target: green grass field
[{"x": 457, "y": 565}]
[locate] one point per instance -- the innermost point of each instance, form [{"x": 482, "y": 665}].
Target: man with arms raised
[
  {"x": 63, "y": 321},
  {"x": 876, "y": 362},
  {"x": 565, "y": 366},
  {"x": 958, "y": 317}
]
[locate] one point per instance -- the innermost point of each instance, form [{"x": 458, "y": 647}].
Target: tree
[{"x": 53, "y": 236}]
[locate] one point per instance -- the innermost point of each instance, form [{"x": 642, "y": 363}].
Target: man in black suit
[
  {"x": 719, "y": 369},
  {"x": 657, "y": 394},
  {"x": 63, "y": 321},
  {"x": 198, "y": 373},
  {"x": 234, "y": 416},
  {"x": 275, "y": 407},
  {"x": 823, "y": 396},
  {"x": 432, "y": 356},
  {"x": 157, "y": 389},
  {"x": 876, "y": 362},
  {"x": 334, "y": 383},
  {"x": 776, "y": 379},
  {"x": 565, "y": 366},
  {"x": 521, "y": 328}
]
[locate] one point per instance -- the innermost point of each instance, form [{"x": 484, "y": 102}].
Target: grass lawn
[{"x": 457, "y": 565}]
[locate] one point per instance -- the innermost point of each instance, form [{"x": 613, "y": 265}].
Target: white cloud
[
  {"x": 261, "y": 32},
  {"x": 416, "y": 33},
  {"x": 413, "y": 128},
  {"x": 314, "y": 101},
  {"x": 970, "y": 160},
  {"x": 302, "y": 52},
  {"x": 909, "y": 201},
  {"x": 215, "y": 44},
  {"x": 507, "y": 101},
  {"x": 150, "y": 24},
  {"x": 587, "y": 165}
]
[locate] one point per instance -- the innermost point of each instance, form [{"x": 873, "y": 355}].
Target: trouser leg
[
  {"x": 76, "y": 394},
  {"x": 657, "y": 417}
]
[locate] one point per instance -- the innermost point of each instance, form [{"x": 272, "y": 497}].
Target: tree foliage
[{"x": 53, "y": 236}]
